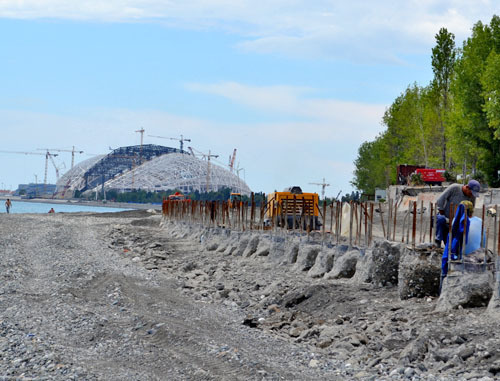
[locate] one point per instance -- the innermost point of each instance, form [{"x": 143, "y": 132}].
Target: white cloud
[
  {"x": 325, "y": 28},
  {"x": 327, "y": 118}
]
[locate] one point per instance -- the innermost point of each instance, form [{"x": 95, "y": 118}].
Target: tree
[
  {"x": 443, "y": 61},
  {"x": 370, "y": 167},
  {"x": 472, "y": 91}
]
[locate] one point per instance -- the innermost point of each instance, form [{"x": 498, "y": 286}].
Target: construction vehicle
[
  {"x": 177, "y": 196},
  {"x": 432, "y": 176},
  {"x": 293, "y": 205},
  {"x": 234, "y": 199}
]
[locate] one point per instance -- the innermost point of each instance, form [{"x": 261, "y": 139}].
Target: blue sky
[{"x": 294, "y": 86}]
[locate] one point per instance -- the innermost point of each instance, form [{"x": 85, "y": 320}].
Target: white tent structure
[
  {"x": 178, "y": 171},
  {"x": 159, "y": 172}
]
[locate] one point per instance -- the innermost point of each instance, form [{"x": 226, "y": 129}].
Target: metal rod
[
  {"x": 482, "y": 228},
  {"x": 414, "y": 226},
  {"x": 421, "y": 219},
  {"x": 351, "y": 210},
  {"x": 370, "y": 236},
  {"x": 395, "y": 218},
  {"x": 381, "y": 217}
]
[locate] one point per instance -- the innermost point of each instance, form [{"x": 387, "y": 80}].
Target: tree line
[
  {"x": 148, "y": 197},
  {"x": 451, "y": 123}
]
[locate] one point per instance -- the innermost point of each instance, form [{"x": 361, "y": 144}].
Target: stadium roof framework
[{"x": 151, "y": 168}]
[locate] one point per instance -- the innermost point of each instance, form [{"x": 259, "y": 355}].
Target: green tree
[
  {"x": 472, "y": 90},
  {"x": 370, "y": 167},
  {"x": 443, "y": 61}
]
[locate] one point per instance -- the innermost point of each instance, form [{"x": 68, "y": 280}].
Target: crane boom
[
  {"x": 46, "y": 154},
  {"x": 73, "y": 151},
  {"x": 231, "y": 163},
  {"x": 181, "y": 140},
  {"x": 323, "y": 186}
]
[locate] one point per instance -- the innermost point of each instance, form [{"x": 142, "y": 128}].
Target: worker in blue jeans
[{"x": 454, "y": 194}]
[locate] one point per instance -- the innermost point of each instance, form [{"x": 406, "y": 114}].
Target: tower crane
[
  {"x": 141, "y": 131},
  {"x": 47, "y": 156},
  {"x": 73, "y": 151},
  {"x": 207, "y": 157},
  {"x": 181, "y": 140},
  {"x": 231, "y": 161},
  {"x": 323, "y": 186}
]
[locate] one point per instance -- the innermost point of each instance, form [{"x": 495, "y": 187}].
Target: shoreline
[{"x": 108, "y": 204}]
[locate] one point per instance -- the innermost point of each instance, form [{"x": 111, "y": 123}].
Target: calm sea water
[{"x": 35, "y": 207}]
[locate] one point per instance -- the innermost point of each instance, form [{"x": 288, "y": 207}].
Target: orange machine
[{"x": 293, "y": 203}]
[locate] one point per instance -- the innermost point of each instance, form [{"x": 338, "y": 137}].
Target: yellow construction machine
[{"x": 293, "y": 205}]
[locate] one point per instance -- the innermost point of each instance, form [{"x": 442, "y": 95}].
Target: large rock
[
  {"x": 277, "y": 249},
  {"x": 264, "y": 246},
  {"x": 344, "y": 266},
  {"x": 242, "y": 245},
  {"x": 494, "y": 304},
  {"x": 466, "y": 290},
  {"x": 251, "y": 248},
  {"x": 385, "y": 256},
  {"x": 323, "y": 264},
  {"x": 364, "y": 267},
  {"x": 306, "y": 256},
  {"x": 284, "y": 250},
  {"x": 419, "y": 273}
]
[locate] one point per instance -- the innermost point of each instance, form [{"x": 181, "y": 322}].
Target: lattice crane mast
[
  {"x": 47, "y": 156},
  {"x": 141, "y": 131},
  {"x": 323, "y": 186},
  {"x": 207, "y": 157},
  {"x": 181, "y": 140}
]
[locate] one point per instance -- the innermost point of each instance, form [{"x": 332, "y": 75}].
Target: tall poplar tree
[{"x": 443, "y": 61}]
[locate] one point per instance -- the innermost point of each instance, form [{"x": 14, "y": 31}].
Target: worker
[
  {"x": 454, "y": 194},
  {"x": 8, "y": 204},
  {"x": 454, "y": 248}
]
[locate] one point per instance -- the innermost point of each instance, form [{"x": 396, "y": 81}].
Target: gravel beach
[{"x": 123, "y": 296}]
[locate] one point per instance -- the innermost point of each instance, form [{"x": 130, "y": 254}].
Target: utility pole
[{"x": 323, "y": 186}]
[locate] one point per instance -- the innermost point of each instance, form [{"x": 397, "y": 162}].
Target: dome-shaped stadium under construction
[{"x": 148, "y": 167}]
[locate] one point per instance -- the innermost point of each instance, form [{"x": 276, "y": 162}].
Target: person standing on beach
[
  {"x": 8, "y": 204},
  {"x": 454, "y": 194}
]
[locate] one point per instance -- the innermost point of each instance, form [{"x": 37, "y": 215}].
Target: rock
[
  {"x": 306, "y": 257},
  {"x": 212, "y": 246},
  {"x": 313, "y": 363},
  {"x": 415, "y": 350},
  {"x": 251, "y": 248},
  {"x": 242, "y": 246},
  {"x": 466, "y": 352},
  {"x": 323, "y": 263},
  {"x": 466, "y": 290},
  {"x": 419, "y": 273},
  {"x": 277, "y": 249},
  {"x": 385, "y": 256},
  {"x": 364, "y": 267},
  {"x": 344, "y": 266}
]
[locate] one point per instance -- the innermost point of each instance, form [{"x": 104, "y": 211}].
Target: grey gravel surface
[
  {"x": 71, "y": 307},
  {"x": 116, "y": 296}
]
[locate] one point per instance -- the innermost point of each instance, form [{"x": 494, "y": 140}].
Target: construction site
[{"x": 147, "y": 167}]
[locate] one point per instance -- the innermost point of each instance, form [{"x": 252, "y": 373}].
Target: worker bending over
[{"x": 454, "y": 194}]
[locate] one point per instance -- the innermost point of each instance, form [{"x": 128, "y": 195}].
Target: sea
[{"x": 39, "y": 207}]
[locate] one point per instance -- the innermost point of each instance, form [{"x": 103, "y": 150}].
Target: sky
[{"x": 295, "y": 86}]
